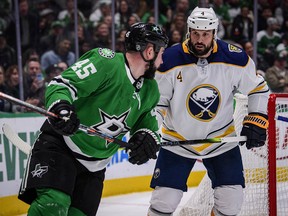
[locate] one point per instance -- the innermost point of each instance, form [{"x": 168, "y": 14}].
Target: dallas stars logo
[
  {"x": 39, "y": 171},
  {"x": 157, "y": 29},
  {"x": 107, "y": 53},
  {"x": 112, "y": 125}
]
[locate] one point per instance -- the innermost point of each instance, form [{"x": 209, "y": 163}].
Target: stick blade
[{"x": 15, "y": 139}]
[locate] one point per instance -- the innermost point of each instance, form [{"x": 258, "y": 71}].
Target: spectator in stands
[
  {"x": 67, "y": 14},
  {"x": 281, "y": 14},
  {"x": 268, "y": 40},
  {"x": 30, "y": 54},
  {"x": 108, "y": 20},
  {"x": 142, "y": 8},
  {"x": 29, "y": 28},
  {"x": 5, "y": 14},
  {"x": 103, "y": 9},
  {"x": 175, "y": 37},
  {"x": 51, "y": 72},
  {"x": 263, "y": 16},
  {"x": 34, "y": 82},
  {"x": 283, "y": 45},
  {"x": 277, "y": 75},
  {"x": 262, "y": 65},
  {"x": 4, "y": 104},
  {"x": 133, "y": 19},
  {"x": 242, "y": 26},
  {"x": 48, "y": 41},
  {"x": 12, "y": 87},
  {"x": 234, "y": 8},
  {"x": 82, "y": 29},
  {"x": 179, "y": 23},
  {"x": 47, "y": 17},
  {"x": 164, "y": 15},
  {"x": 63, "y": 65},
  {"x": 122, "y": 16},
  {"x": 120, "y": 43},
  {"x": 62, "y": 52},
  {"x": 2, "y": 79},
  {"x": 7, "y": 53},
  {"x": 101, "y": 36},
  {"x": 181, "y": 6},
  {"x": 40, "y": 5},
  {"x": 221, "y": 10},
  {"x": 84, "y": 46}
]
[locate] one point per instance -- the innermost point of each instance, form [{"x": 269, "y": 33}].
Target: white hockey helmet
[{"x": 202, "y": 19}]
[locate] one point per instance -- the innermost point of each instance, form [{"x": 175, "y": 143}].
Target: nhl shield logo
[{"x": 203, "y": 102}]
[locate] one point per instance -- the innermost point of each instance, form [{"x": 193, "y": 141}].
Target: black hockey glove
[
  {"x": 68, "y": 123},
  {"x": 144, "y": 146},
  {"x": 254, "y": 128}
]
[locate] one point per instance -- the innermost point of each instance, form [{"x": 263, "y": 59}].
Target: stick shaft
[
  {"x": 44, "y": 112},
  {"x": 121, "y": 143},
  {"x": 199, "y": 141},
  {"x": 27, "y": 105}
]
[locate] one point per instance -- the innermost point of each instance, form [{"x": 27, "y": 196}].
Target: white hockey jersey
[{"x": 197, "y": 96}]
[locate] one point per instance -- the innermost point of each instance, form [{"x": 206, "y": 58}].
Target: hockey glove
[
  {"x": 67, "y": 123},
  {"x": 254, "y": 128},
  {"x": 144, "y": 146}
]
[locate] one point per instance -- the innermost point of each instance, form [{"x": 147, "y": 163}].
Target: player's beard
[
  {"x": 202, "y": 52},
  {"x": 150, "y": 72}
]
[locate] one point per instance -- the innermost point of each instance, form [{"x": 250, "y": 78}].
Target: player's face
[
  {"x": 201, "y": 41},
  {"x": 150, "y": 72}
]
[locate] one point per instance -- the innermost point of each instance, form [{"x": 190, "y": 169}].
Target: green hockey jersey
[{"x": 105, "y": 96}]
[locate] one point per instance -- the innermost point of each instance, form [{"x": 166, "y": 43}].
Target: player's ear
[{"x": 150, "y": 52}]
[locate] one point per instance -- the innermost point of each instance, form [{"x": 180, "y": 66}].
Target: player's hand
[
  {"x": 144, "y": 146},
  {"x": 67, "y": 123},
  {"x": 254, "y": 128}
]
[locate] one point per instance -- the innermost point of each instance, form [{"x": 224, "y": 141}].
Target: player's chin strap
[{"x": 152, "y": 61}]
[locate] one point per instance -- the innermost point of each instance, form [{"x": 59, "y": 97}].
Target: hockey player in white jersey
[{"x": 197, "y": 82}]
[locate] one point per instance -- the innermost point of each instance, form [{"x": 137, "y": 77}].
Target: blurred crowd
[{"x": 47, "y": 36}]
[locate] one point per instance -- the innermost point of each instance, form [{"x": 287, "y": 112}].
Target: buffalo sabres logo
[
  {"x": 233, "y": 48},
  {"x": 203, "y": 102},
  {"x": 112, "y": 125}
]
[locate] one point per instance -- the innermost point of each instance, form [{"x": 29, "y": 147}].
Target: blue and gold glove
[
  {"x": 67, "y": 123},
  {"x": 254, "y": 128},
  {"x": 144, "y": 146}
]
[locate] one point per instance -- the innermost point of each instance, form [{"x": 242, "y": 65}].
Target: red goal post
[
  {"x": 265, "y": 168},
  {"x": 277, "y": 106}
]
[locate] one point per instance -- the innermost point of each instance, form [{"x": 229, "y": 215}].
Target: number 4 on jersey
[{"x": 179, "y": 76}]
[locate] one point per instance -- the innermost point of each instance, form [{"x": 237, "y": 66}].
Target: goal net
[{"x": 265, "y": 168}]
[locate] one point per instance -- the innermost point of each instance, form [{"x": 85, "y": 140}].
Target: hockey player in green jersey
[{"x": 114, "y": 93}]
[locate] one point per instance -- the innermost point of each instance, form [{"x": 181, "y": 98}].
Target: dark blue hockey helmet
[{"x": 140, "y": 34}]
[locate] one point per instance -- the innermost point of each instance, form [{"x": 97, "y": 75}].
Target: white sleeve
[
  {"x": 166, "y": 93},
  {"x": 255, "y": 87}
]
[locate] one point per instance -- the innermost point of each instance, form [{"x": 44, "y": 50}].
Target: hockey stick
[
  {"x": 15, "y": 139},
  {"x": 86, "y": 129},
  {"x": 25, "y": 147},
  {"x": 209, "y": 140},
  {"x": 92, "y": 131}
]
